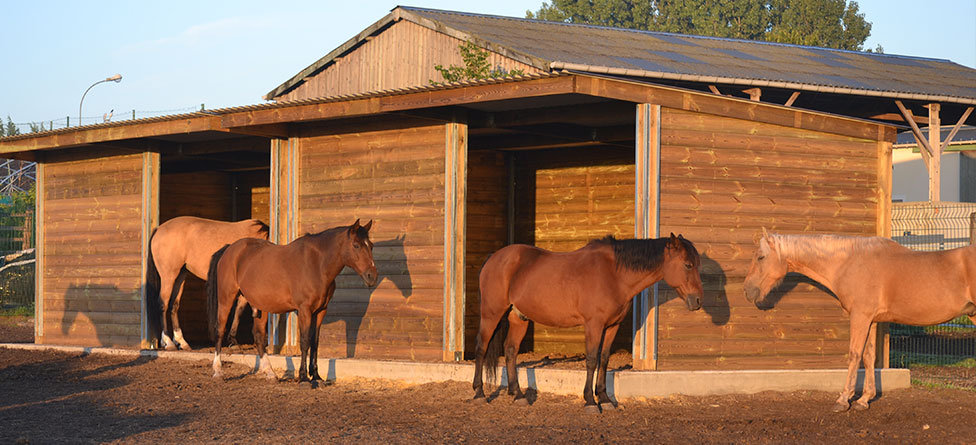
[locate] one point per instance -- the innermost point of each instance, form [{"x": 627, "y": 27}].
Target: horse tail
[
  {"x": 263, "y": 229},
  {"x": 496, "y": 347},
  {"x": 154, "y": 304},
  {"x": 212, "y": 292}
]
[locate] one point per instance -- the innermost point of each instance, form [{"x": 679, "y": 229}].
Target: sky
[{"x": 176, "y": 56}]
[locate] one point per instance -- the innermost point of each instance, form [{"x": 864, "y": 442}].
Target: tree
[
  {"x": 826, "y": 23},
  {"x": 11, "y": 129},
  {"x": 475, "y": 66}
]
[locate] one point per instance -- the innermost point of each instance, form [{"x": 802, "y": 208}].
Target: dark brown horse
[
  {"x": 276, "y": 279},
  {"x": 875, "y": 280},
  {"x": 182, "y": 246},
  {"x": 592, "y": 286}
]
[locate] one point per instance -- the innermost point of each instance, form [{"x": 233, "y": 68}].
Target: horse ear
[
  {"x": 368, "y": 225},
  {"x": 765, "y": 234},
  {"x": 354, "y": 227}
]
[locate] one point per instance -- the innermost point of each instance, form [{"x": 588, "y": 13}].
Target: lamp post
[{"x": 116, "y": 78}]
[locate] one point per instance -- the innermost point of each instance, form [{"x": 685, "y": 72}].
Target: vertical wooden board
[
  {"x": 761, "y": 191},
  {"x": 97, "y": 191},
  {"x": 647, "y": 224},
  {"x": 455, "y": 204},
  {"x": 394, "y": 174}
]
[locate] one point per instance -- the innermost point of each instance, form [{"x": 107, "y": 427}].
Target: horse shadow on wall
[
  {"x": 391, "y": 264},
  {"x": 715, "y": 302},
  {"x": 97, "y": 315}
]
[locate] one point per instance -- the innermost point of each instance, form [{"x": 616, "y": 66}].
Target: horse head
[
  {"x": 358, "y": 252},
  {"x": 682, "y": 270},
  {"x": 767, "y": 270}
]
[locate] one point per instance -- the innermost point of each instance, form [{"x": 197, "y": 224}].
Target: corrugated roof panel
[
  {"x": 674, "y": 56},
  {"x": 644, "y": 64},
  {"x": 736, "y": 54}
]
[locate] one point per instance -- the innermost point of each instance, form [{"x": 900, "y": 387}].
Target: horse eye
[
  {"x": 356, "y": 245},
  {"x": 688, "y": 266},
  {"x": 761, "y": 257}
]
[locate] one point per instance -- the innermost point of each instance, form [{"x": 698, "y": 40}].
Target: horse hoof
[
  {"x": 858, "y": 406},
  {"x": 185, "y": 348},
  {"x": 169, "y": 347},
  {"x": 218, "y": 377},
  {"x": 521, "y": 401},
  {"x": 607, "y": 406},
  {"x": 591, "y": 409},
  {"x": 840, "y": 407}
]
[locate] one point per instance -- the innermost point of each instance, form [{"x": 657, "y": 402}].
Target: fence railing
[
  {"x": 17, "y": 261},
  {"x": 936, "y": 226}
]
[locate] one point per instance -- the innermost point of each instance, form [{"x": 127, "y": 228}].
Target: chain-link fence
[
  {"x": 16, "y": 259},
  {"x": 928, "y": 226}
]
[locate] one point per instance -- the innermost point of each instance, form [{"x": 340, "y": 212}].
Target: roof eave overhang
[{"x": 758, "y": 83}]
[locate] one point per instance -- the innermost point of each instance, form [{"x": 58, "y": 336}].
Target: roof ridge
[{"x": 671, "y": 34}]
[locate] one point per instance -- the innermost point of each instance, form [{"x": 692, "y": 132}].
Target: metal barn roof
[{"x": 626, "y": 52}]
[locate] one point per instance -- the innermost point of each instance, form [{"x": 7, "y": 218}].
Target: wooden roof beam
[{"x": 923, "y": 142}]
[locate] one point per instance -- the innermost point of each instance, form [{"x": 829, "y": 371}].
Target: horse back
[{"x": 192, "y": 240}]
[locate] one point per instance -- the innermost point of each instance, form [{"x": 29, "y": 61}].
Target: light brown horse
[
  {"x": 592, "y": 286},
  {"x": 276, "y": 279},
  {"x": 181, "y": 246},
  {"x": 875, "y": 280}
]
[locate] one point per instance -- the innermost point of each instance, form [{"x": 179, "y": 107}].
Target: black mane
[{"x": 639, "y": 254}]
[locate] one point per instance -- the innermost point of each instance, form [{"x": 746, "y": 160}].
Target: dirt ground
[{"x": 57, "y": 397}]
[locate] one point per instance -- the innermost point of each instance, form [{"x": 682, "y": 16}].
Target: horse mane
[
  {"x": 827, "y": 245},
  {"x": 635, "y": 254},
  {"x": 361, "y": 232},
  {"x": 263, "y": 228}
]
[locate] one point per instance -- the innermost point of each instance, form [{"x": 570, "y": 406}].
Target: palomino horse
[
  {"x": 185, "y": 245},
  {"x": 592, "y": 286},
  {"x": 276, "y": 279},
  {"x": 875, "y": 280}
]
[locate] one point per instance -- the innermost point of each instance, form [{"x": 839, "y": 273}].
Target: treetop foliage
[{"x": 824, "y": 23}]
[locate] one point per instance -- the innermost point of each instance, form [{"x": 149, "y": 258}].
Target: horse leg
[
  {"x": 260, "y": 331},
  {"x": 601, "y": 378},
  {"x": 238, "y": 310},
  {"x": 175, "y": 307},
  {"x": 860, "y": 325},
  {"x": 593, "y": 335},
  {"x": 313, "y": 353},
  {"x": 869, "y": 391},
  {"x": 304, "y": 327},
  {"x": 486, "y": 328},
  {"x": 222, "y": 312},
  {"x": 166, "y": 286},
  {"x": 516, "y": 332}
]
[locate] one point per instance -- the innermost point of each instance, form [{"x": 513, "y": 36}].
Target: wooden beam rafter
[
  {"x": 922, "y": 141},
  {"x": 789, "y": 102}
]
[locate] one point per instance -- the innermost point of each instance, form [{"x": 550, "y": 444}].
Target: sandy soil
[{"x": 57, "y": 397}]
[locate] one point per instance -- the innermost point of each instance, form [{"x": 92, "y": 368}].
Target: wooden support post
[
  {"x": 455, "y": 210},
  {"x": 150, "y": 220},
  {"x": 883, "y": 229},
  {"x": 789, "y": 102},
  {"x": 714, "y": 90},
  {"x": 754, "y": 94},
  {"x": 283, "y": 226},
  {"x": 935, "y": 166},
  {"x": 647, "y": 225},
  {"x": 39, "y": 252}
]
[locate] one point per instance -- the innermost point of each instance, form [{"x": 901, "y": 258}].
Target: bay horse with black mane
[
  {"x": 276, "y": 279},
  {"x": 592, "y": 286},
  {"x": 876, "y": 280},
  {"x": 182, "y": 246}
]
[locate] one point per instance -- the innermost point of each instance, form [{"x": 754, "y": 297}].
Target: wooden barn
[{"x": 450, "y": 173}]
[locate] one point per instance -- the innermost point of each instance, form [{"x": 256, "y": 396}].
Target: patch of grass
[
  {"x": 928, "y": 384},
  {"x": 904, "y": 360},
  {"x": 17, "y": 311}
]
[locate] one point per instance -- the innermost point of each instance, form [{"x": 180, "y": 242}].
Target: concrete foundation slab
[{"x": 622, "y": 384}]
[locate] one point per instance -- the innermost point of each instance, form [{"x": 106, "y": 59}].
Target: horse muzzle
[
  {"x": 369, "y": 278},
  {"x": 694, "y": 301},
  {"x": 752, "y": 294}
]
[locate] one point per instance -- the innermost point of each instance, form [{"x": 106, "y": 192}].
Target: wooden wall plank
[
  {"x": 725, "y": 179},
  {"x": 92, "y": 234}
]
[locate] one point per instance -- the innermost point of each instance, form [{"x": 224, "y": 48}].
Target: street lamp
[{"x": 116, "y": 78}]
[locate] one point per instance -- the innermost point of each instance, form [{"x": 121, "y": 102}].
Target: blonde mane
[{"x": 826, "y": 246}]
